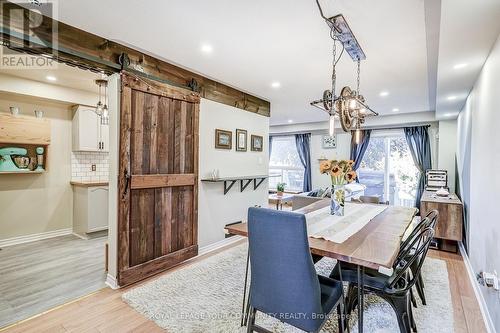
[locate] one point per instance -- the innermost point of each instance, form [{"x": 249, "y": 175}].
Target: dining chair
[
  {"x": 395, "y": 289},
  {"x": 284, "y": 283}
]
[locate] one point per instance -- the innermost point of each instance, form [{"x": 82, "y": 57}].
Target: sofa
[{"x": 353, "y": 191}]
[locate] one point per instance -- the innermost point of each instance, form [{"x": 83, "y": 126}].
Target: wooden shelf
[
  {"x": 24, "y": 130},
  {"x": 22, "y": 172},
  {"x": 244, "y": 181}
]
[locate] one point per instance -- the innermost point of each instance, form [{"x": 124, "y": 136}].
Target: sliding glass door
[{"x": 388, "y": 170}]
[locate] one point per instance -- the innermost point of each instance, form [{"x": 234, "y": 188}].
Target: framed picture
[
  {"x": 223, "y": 139},
  {"x": 329, "y": 142},
  {"x": 257, "y": 143},
  {"x": 241, "y": 140}
]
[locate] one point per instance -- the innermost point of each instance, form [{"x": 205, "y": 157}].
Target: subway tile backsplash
[{"x": 81, "y": 166}]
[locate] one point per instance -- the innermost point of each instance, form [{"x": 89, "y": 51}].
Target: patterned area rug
[{"x": 207, "y": 297}]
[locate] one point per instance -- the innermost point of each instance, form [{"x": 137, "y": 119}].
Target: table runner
[{"x": 337, "y": 229}]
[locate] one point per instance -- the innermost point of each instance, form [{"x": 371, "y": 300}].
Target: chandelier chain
[{"x": 359, "y": 74}]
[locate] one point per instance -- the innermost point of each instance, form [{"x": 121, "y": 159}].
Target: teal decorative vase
[{"x": 338, "y": 200}]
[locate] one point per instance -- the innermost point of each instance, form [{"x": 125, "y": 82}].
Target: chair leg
[
  {"x": 351, "y": 298},
  {"x": 420, "y": 291},
  {"x": 251, "y": 319},
  {"x": 412, "y": 320},
  {"x": 401, "y": 304},
  {"x": 340, "y": 318},
  {"x": 412, "y": 297}
]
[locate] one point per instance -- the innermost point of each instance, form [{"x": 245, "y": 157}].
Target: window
[
  {"x": 285, "y": 162},
  {"x": 388, "y": 170}
]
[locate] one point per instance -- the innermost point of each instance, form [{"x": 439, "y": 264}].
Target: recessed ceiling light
[
  {"x": 452, "y": 98},
  {"x": 290, "y": 121},
  {"x": 395, "y": 110},
  {"x": 206, "y": 48},
  {"x": 275, "y": 84},
  {"x": 51, "y": 78},
  {"x": 459, "y": 66},
  {"x": 384, "y": 93},
  {"x": 448, "y": 114}
]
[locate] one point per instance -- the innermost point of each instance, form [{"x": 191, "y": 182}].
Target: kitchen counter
[{"x": 89, "y": 183}]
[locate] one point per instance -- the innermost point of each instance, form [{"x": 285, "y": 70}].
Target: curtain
[
  {"x": 304, "y": 149},
  {"x": 420, "y": 148},
  {"x": 270, "y": 145},
  {"x": 358, "y": 149}
]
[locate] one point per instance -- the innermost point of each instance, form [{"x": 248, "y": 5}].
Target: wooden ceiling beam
[{"x": 81, "y": 48}]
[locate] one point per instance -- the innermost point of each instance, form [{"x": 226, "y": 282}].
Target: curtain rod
[{"x": 373, "y": 128}]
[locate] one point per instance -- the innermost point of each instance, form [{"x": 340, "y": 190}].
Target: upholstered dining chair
[{"x": 284, "y": 283}]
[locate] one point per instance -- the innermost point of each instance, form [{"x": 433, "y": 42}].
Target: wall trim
[
  {"x": 111, "y": 282},
  {"x": 477, "y": 291},
  {"x": 34, "y": 237},
  {"x": 218, "y": 245}
]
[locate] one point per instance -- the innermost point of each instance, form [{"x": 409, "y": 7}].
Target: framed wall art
[
  {"x": 223, "y": 139},
  {"x": 257, "y": 143},
  {"x": 329, "y": 142},
  {"x": 241, "y": 140}
]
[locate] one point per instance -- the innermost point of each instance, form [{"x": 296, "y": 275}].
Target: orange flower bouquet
[{"x": 341, "y": 173}]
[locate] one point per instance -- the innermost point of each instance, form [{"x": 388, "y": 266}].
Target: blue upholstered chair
[{"x": 284, "y": 282}]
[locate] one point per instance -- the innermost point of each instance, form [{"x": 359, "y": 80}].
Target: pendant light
[
  {"x": 102, "y": 109},
  {"x": 331, "y": 130}
]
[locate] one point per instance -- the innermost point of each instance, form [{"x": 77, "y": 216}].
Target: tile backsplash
[{"x": 81, "y": 166}]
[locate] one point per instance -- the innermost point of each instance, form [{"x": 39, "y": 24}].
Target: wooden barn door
[{"x": 158, "y": 180}]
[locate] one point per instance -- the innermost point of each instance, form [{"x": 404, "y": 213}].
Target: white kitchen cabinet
[
  {"x": 88, "y": 133},
  {"x": 90, "y": 208}
]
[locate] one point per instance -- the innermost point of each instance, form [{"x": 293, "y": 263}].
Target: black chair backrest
[
  {"x": 283, "y": 277},
  {"x": 429, "y": 220},
  {"x": 415, "y": 252}
]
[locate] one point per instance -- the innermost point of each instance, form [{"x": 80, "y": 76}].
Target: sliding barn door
[{"x": 158, "y": 179}]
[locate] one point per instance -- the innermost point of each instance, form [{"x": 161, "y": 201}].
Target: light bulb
[
  {"x": 99, "y": 108},
  {"x": 331, "y": 130},
  {"x": 357, "y": 136},
  {"x": 352, "y": 103},
  {"x": 105, "y": 115}
]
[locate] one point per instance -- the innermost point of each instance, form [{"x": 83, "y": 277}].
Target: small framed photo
[
  {"x": 329, "y": 142},
  {"x": 241, "y": 140},
  {"x": 257, "y": 143},
  {"x": 223, "y": 139}
]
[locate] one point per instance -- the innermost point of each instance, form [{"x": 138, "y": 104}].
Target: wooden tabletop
[
  {"x": 430, "y": 196},
  {"x": 89, "y": 183},
  {"x": 375, "y": 245}
]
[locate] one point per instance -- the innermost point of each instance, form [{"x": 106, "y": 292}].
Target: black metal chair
[{"x": 396, "y": 288}]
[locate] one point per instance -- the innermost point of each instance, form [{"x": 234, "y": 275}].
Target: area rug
[{"x": 207, "y": 296}]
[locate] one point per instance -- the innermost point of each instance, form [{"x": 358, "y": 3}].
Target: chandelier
[
  {"x": 349, "y": 106},
  {"x": 102, "y": 108}
]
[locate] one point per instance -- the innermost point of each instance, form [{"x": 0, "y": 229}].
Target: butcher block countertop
[{"x": 89, "y": 184}]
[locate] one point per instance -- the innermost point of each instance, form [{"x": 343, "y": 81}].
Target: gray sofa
[{"x": 353, "y": 191}]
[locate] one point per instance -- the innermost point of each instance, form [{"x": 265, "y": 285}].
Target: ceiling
[{"x": 410, "y": 46}]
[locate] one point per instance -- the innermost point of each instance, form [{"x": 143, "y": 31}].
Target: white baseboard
[
  {"x": 111, "y": 282},
  {"x": 477, "y": 291},
  {"x": 34, "y": 237},
  {"x": 218, "y": 245}
]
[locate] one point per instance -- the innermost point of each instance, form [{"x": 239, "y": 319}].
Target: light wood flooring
[
  {"x": 37, "y": 276},
  {"x": 104, "y": 311}
]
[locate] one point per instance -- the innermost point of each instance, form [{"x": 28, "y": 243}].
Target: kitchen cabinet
[
  {"x": 90, "y": 207},
  {"x": 88, "y": 132}
]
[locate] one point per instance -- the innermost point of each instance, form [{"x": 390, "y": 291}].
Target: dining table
[{"x": 374, "y": 246}]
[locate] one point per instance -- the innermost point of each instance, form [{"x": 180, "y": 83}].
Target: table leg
[
  {"x": 277, "y": 204},
  {"x": 244, "y": 312},
  {"x": 361, "y": 285}
]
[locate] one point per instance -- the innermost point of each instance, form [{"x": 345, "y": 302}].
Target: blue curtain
[
  {"x": 304, "y": 149},
  {"x": 270, "y": 145},
  {"x": 358, "y": 149},
  {"x": 420, "y": 148}
]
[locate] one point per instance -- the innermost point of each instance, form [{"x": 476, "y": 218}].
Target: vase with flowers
[{"x": 341, "y": 173}]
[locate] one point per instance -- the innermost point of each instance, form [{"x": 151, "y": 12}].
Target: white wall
[
  {"x": 215, "y": 209},
  {"x": 481, "y": 114},
  {"x": 447, "y": 149}
]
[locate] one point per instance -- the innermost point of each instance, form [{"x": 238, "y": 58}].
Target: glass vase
[{"x": 338, "y": 200}]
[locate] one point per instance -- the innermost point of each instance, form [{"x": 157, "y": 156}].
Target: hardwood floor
[
  {"x": 38, "y": 276},
  {"x": 104, "y": 311}
]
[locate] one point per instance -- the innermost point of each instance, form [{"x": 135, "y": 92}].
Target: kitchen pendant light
[
  {"x": 102, "y": 108},
  {"x": 331, "y": 131}
]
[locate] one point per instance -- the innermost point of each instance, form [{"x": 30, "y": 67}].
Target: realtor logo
[{"x": 28, "y": 34}]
